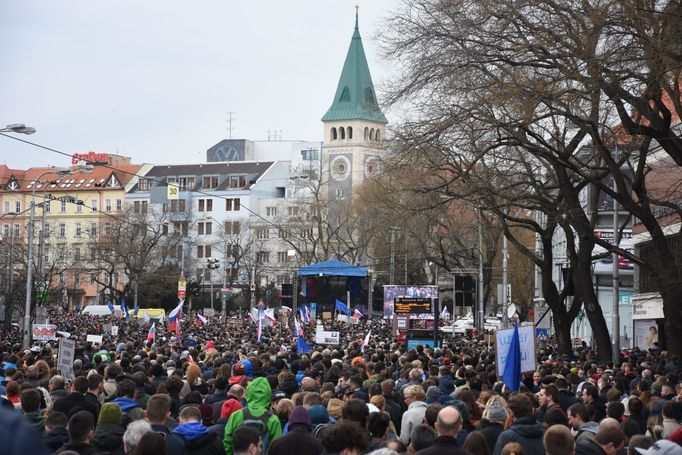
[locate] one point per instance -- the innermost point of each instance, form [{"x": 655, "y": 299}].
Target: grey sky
[{"x": 153, "y": 79}]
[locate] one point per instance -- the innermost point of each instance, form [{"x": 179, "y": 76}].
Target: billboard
[{"x": 393, "y": 292}]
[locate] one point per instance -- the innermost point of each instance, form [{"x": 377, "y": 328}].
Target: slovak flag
[
  {"x": 201, "y": 320},
  {"x": 357, "y": 314},
  {"x": 297, "y": 327},
  {"x": 151, "y": 335},
  {"x": 175, "y": 316},
  {"x": 305, "y": 313}
]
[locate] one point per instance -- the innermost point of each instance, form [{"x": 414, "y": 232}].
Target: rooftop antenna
[{"x": 229, "y": 121}]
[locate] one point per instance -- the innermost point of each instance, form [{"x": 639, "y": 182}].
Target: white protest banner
[
  {"x": 94, "y": 339},
  {"x": 325, "y": 337},
  {"x": 44, "y": 332},
  {"x": 114, "y": 330},
  {"x": 527, "y": 342},
  {"x": 66, "y": 354}
]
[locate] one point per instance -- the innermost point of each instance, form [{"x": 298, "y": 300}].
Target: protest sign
[{"x": 527, "y": 343}]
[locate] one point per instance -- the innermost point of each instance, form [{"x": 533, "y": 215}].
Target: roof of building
[
  {"x": 96, "y": 178},
  {"x": 355, "y": 98}
]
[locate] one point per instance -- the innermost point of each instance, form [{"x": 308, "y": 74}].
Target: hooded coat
[
  {"x": 108, "y": 439},
  {"x": 526, "y": 432},
  {"x": 198, "y": 440},
  {"x": 258, "y": 394}
]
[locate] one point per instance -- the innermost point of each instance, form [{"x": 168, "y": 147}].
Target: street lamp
[{"x": 18, "y": 128}]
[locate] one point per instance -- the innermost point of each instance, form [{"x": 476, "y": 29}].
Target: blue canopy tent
[
  {"x": 333, "y": 268},
  {"x": 327, "y": 281}
]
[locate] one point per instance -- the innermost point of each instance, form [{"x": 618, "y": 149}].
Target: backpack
[{"x": 259, "y": 423}]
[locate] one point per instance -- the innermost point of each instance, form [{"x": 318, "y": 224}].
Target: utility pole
[
  {"x": 505, "y": 281},
  {"x": 253, "y": 287},
  {"x": 480, "y": 322},
  {"x": 391, "y": 276},
  {"x": 29, "y": 280},
  {"x": 615, "y": 322}
]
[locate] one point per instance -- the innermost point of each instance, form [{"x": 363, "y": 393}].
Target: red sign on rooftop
[{"x": 90, "y": 157}]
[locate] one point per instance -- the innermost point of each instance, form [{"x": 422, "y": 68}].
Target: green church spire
[{"x": 355, "y": 98}]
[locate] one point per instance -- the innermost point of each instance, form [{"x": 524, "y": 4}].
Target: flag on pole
[
  {"x": 201, "y": 320},
  {"x": 137, "y": 310},
  {"x": 366, "y": 340},
  {"x": 174, "y": 317},
  {"x": 301, "y": 346},
  {"x": 357, "y": 314},
  {"x": 110, "y": 304},
  {"x": 512, "y": 369},
  {"x": 287, "y": 309},
  {"x": 151, "y": 335},
  {"x": 305, "y": 313},
  {"x": 342, "y": 307},
  {"x": 260, "y": 330},
  {"x": 445, "y": 314}
]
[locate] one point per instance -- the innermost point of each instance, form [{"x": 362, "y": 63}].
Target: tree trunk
[
  {"x": 562, "y": 332},
  {"x": 582, "y": 275},
  {"x": 673, "y": 320}
]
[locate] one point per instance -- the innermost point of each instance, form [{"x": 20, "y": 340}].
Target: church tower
[{"x": 354, "y": 127}]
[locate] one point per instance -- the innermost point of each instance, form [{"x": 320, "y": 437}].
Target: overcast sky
[{"x": 154, "y": 79}]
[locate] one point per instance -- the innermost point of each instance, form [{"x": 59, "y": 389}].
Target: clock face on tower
[
  {"x": 372, "y": 166},
  {"x": 340, "y": 168}
]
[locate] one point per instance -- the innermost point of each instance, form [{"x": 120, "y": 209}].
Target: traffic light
[{"x": 212, "y": 264}]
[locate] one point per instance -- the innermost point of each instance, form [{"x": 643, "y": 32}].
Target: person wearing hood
[
  {"x": 108, "y": 439},
  {"x": 55, "y": 431},
  {"x": 258, "y": 396},
  {"x": 524, "y": 429},
  {"x": 196, "y": 437},
  {"x": 298, "y": 440},
  {"x": 492, "y": 422},
  {"x": 125, "y": 391}
]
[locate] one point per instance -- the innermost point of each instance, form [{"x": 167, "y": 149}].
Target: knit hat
[
  {"x": 110, "y": 413},
  {"x": 206, "y": 411},
  {"x": 334, "y": 408},
  {"x": 496, "y": 413},
  {"x": 300, "y": 415},
  {"x": 229, "y": 407},
  {"x": 432, "y": 394},
  {"x": 318, "y": 414}
]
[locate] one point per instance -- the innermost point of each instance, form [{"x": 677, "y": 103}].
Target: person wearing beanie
[
  {"x": 432, "y": 394},
  {"x": 492, "y": 422},
  {"x": 228, "y": 408},
  {"x": 298, "y": 440},
  {"x": 109, "y": 434}
]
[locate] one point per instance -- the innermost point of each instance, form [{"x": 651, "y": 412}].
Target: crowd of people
[{"x": 217, "y": 389}]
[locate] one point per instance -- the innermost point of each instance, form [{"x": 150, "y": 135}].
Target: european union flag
[
  {"x": 342, "y": 307},
  {"x": 512, "y": 369},
  {"x": 303, "y": 347}
]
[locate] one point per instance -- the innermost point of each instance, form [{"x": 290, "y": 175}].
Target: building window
[
  {"x": 377, "y": 135},
  {"x": 232, "y": 227},
  {"x": 76, "y": 279},
  {"x": 237, "y": 204},
  {"x": 309, "y": 155},
  {"x": 334, "y": 137},
  {"x": 143, "y": 185},
  {"x": 79, "y": 208},
  {"x": 62, "y": 229},
  {"x": 233, "y": 250},
  {"x": 62, "y": 206},
  {"x": 93, "y": 205},
  {"x": 79, "y": 229},
  {"x": 282, "y": 257},
  {"x": 93, "y": 254},
  {"x": 93, "y": 229},
  {"x": 349, "y": 130},
  {"x": 16, "y": 230},
  {"x": 342, "y": 133},
  {"x": 181, "y": 227},
  {"x": 205, "y": 228},
  {"x": 284, "y": 233},
  {"x": 144, "y": 206},
  {"x": 119, "y": 205},
  {"x": 205, "y": 205},
  {"x": 210, "y": 182},
  {"x": 271, "y": 211},
  {"x": 17, "y": 207},
  {"x": 107, "y": 229},
  {"x": 263, "y": 257},
  {"x": 232, "y": 205},
  {"x": 339, "y": 193},
  {"x": 136, "y": 206},
  {"x": 185, "y": 183},
  {"x": 237, "y": 181},
  {"x": 292, "y": 211},
  {"x": 164, "y": 228},
  {"x": 77, "y": 253},
  {"x": 6, "y": 207},
  {"x": 204, "y": 251},
  {"x": 46, "y": 206},
  {"x": 5, "y": 230},
  {"x": 262, "y": 233},
  {"x": 107, "y": 205},
  {"x": 91, "y": 279}
]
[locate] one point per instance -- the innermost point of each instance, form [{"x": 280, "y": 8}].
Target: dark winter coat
[
  {"x": 491, "y": 431},
  {"x": 74, "y": 400},
  {"x": 174, "y": 445},
  {"x": 209, "y": 444},
  {"x": 108, "y": 439},
  {"x": 588, "y": 448},
  {"x": 527, "y": 432},
  {"x": 296, "y": 441},
  {"x": 78, "y": 447},
  {"x": 56, "y": 438},
  {"x": 566, "y": 399},
  {"x": 444, "y": 445}
]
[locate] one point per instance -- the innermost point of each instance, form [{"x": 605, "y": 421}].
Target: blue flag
[
  {"x": 137, "y": 309},
  {"x": 512, "y": 369},
  {"x": 302, "y": 347},
  {"x": 124, "y": 309},
  {"x": 111, "y": 306},
  {"x": 342, "y": 307}
]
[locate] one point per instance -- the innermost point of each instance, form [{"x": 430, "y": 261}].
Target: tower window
[
  {"x": 377, "y": 135},
  {"x": 350, "y": 132},
  {"x": 371, "y": 134},
  {"x": 342, "y": 133},
  {"x": 345, "y": 95},
  {"x": 369, "y": 97},
  {"x": 334, "y": 137},
  {"x": 366, "y": 133}
]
